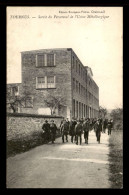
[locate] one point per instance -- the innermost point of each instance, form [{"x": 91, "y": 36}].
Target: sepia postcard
[{"x": 64, "y": 97}]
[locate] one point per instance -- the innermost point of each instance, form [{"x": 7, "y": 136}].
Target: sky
[{"x": 94, "y": 33}]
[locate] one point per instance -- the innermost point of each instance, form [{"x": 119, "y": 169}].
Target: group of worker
[{"x": 75, "y": 128}]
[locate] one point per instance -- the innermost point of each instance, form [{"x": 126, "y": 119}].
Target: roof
[
  {"x": 40, "y": 50},
  {"x": 89, "y": 70}
]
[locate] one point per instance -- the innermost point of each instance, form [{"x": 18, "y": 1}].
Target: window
[
  {"x": 77, "y": 108},
  {"x": 73, "y": 83},
  {"x": 40, "y": 60},
  {"x": 81, "y": 90},
  {"x": 45, "y": 82},
  {"x": 76, "y": 66},
  {"x": 89, "y": 95},
  {"x": 76, "y": 86},
  {"x": 84, "y": 110},
  {"x": 40, "y": 82},
  {"x": 45, "y": 60},
  {"x": 89, "y": 82},
  {"x": 79, "y": 69},
  {"x": 73, "y": 108},
  {"x": 14, "y": 91},
  {"x": 50, "y": 59},
  {"x": 79, "y": 87},
  {"x": 50, "y": 82},
  {"x": 29, "y": 102},
  {"x": 85, "y": 76},
  {"x": 84, "y": 91},
  {"x": 73, "y": 61}
]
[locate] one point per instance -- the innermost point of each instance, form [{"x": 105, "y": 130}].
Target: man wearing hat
[
  {"x": 109, "y": 126},
  {"x": 72, "y": 129},
  {"x": 53, "y": 129},
  {"x": 46, "y": 130},
  {"x": 98, "y": 127}
]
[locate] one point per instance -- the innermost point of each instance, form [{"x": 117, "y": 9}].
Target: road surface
[{"x": 61, "y": 165}]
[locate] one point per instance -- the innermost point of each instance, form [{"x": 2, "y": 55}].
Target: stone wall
[{"x": 20, "y": 125}]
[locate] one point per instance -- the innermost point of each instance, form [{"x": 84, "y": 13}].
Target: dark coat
[
  {"x": 68, "y": 124},
  {"x": 86, "y": 126},
  {"x": 53, "y": 128},
  {"x": 109, "y": 125},
  {"x": 98, "y": 127},
  {"x": 65, "y": 128},
  {"x": 46, "y": 127},
  {"x": 72, "y": 127},
  {"x": 104, "y": 124},
  {"x": 78, "y": 129}
]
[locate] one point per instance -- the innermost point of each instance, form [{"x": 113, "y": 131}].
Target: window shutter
[
  {"x": 18, "y": 90},
  {"x": 45, "y": 81},
  {"x": 36, "y": 61},
  {"x": 55, "y": 81},
  {"x": 54, "y": 59},
  {"x": 45, "y": 56},
  {"x": 36, "y": 82}
]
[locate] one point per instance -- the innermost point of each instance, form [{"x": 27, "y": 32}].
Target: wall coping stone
[{"x": 32, "y": 115}]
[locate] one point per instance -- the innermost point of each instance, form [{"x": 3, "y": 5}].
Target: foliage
[
  {"x": 14, "y": 100},
  {"x": 54, "y": 101},
  {"x": 116, "y": 159},
  {"x": 117, "y": 116},
  {"x": 102, "y": 111}
]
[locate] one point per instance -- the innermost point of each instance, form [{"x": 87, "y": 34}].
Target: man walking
[
  {"x": 109, "y": 126},
  {"x": 53, "y": 129},
  {"x": 65, "y": 130},
  {"x": 78, "y": 131},
  {"x": 98, "y": 127},
  {"x": 72, "y": 129},
  {"x": 86, "y": 128},
  {"x": 104, "y": 125},
  {"x": 46, "y": 131}
]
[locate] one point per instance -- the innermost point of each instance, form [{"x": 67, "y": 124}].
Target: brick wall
[
  {"x": 83, "y": 78},
  {"x": 21, "y": 125},
  {"x": 62, "y": 71}
]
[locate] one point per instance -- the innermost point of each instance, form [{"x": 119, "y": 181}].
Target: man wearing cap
[
  {"x": 53, "y": 129},
  {"x": 78, "y": 131},
  {"x": 65, "y": 130},
  {"x": 72, "y": 129},
  {"x": 46, "y": 130},
  {"x": 86, "y": 128},
  {"x": 98, "y": 127}
]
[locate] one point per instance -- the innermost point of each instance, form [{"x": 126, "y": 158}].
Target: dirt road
[{"x": 61, "y": 165}]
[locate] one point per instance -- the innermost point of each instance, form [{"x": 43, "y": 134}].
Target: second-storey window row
[{"x": 45, "y": 82}]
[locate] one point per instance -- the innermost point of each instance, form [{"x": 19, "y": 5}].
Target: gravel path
[{"x": 61, "y": 165}]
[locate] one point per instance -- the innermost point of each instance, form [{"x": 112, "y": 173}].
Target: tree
[
  {"x": 54, "y": 101},
  {"x": 117, "y": 116},
  {"x": 102, "y": 111},
  {"x": 14, "y": 100}
]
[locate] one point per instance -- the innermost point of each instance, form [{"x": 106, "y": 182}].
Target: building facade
[{"x": 58, "y": 72}]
